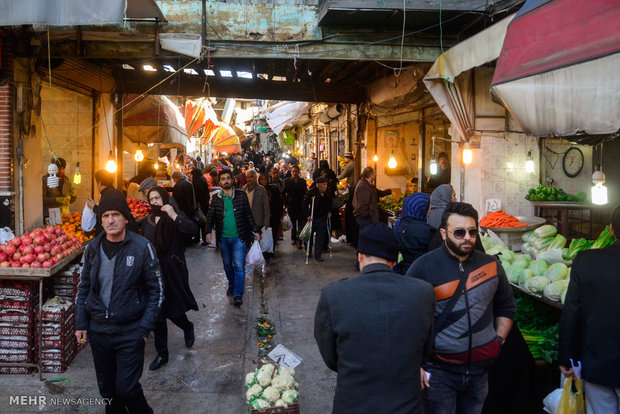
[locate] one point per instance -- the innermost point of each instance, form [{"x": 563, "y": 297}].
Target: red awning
[{"x": 557, "y": 72}]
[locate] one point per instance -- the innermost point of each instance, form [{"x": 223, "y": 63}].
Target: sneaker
[
  {"x": 238, "y": 301},
  {"x": 229, "y": 292}
]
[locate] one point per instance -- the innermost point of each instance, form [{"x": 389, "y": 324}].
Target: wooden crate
[{"x": 291, "y": 409}]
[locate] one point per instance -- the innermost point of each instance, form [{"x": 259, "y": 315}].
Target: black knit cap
[
  {"x": 113, "y": 199},
  {"x": 378, "y": 240},
  {"x": 320, "y": 180}
]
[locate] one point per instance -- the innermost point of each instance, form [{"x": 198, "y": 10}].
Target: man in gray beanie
[
  {"x": 119, "y": 296},
  {"x": 376, "y": 330}
]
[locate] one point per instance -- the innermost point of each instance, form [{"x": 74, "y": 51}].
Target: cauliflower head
[
  {"x": 289, "y": 396},
  {"x": 250, "y": 379},
  {"x": 253, "y": 391},
  {"x": 271, "y": 394},
  {"x": 280, "y": 403},
  {"x": 263, "y": 378},
  {"x": 283, "y": 381},
  {"x": 260, "y": 404}
]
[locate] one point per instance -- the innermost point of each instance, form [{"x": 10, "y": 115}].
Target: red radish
[
  {"x": 5, "y": 264},
  {"x": 46, "y": 264},
  {"x": 41, "y": 257}
]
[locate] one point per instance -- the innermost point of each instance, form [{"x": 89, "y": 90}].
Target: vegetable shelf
[{"x": 553, "y": 303}]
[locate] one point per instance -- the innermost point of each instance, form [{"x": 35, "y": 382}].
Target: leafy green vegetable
[
  {"x": 605, "y": 239},
  {"x": 539, "y": 328},
  {"x": 553, "y": 291},
  {"x": 543, "y": 243},
  {"x": 547, "y": 230},
  {"x": 537, "y": 284},
  {"x": 539, "y": 267},
  {"x": 558, "y": 242},
  {"x": 556, "y": 271},
  {"x": 526, "y": 275}
]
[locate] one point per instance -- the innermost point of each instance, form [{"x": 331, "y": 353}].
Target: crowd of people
[{"x": 444, "y": 310}]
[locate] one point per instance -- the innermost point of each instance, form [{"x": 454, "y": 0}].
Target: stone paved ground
[{"x": 209, "y": 377}]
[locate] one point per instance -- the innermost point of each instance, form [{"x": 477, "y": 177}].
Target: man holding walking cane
[{"x": 317, "y": 205}]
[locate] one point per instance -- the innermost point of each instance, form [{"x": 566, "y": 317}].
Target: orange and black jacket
[{"x": 467, "y": 342}]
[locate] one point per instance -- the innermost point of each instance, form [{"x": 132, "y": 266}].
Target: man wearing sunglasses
[{"x": 473, "y": 315}]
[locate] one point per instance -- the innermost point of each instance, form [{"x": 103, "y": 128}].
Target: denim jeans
[
  {"x": 233, "y": 256},
  {"x": 451, "y": 393}
]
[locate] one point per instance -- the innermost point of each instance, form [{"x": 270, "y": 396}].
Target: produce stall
[{"x": 28, "y": 326}]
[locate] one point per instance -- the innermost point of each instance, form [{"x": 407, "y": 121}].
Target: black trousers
[
  {"x": 161, "y": 333},
  {"x": 319, "y": 236},
  {"x": 299, "y": 221},
  {"x": 119, "y": 359}
]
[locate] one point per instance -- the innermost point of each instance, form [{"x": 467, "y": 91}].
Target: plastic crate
[
  {"x": 16, "y": 370},
  {"x": 16, "y": 316},
  {"x": 16, "y": 342},
  {"x": 59, "y": 354},
  {"x": 59, "y": 316},
  {"x": 291, "y": 409},
  {"x": 15, "y": 355},
  {"x": 66, "y": 278},
  {"x": 57, "y": 367},
  {"x": 23, "y": 291},
  {"x": 6, "y": 304},
  {"x": 65, "y": 292},
  {"x": 12, "y": 329}
]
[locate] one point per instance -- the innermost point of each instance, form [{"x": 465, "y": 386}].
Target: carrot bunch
[{"x": 500, "y": 219}]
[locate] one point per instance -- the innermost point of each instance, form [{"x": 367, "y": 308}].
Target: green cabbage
[
  {"x": 556, "y": 271},
  {"x": 521, "y": 260},
  {"x": 526, "y": 275},
  {"x": 537, "y": 284},
  {"x": 507, "y": 255},
  {"x": 554, "y": 290},
  {"x": 539, "y": 267},
  {"x": 546, "y": 231},
  {"x": 514, "y": 274},
  {"x": 526, "y": 236},
  {"x": 558, "y": 242},
  {"x": 495, "y": 250},
  {"x": 532, "y": 237},
  {"x": 543, "y": 243},
  {"x": 525, "y": 247},
  {"x": 506, "y": 267}
]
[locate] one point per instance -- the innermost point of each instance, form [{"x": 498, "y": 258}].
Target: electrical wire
[
  {"x": 402, "y": 41},
  {"x": 49, "y": 70}
]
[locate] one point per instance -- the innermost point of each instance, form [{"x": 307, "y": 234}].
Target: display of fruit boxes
[{"x": 17, "y": 302}]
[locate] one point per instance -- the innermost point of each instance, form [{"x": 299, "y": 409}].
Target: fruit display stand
[
  {"x": 37, "y": 275},
  {"x": 511, "y": 236}
]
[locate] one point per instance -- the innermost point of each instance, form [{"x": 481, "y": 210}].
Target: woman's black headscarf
[{"x": 164, "y": 228}]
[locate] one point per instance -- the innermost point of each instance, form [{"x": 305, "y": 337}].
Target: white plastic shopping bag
[
  {"x": 266, "y": 240},
  {"x": 89, "y": 219},
  {"x": 6, "y": 234},
  {"x": 286, "y": 223},
  {"x": 255, "y": 255}
]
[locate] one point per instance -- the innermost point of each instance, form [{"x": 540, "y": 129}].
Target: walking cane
[
  {"x": 329, "y": 235},
  {"x": 308, "y": 243}
]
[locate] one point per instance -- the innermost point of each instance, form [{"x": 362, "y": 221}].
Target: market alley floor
[{"x": 208, "y": 378}]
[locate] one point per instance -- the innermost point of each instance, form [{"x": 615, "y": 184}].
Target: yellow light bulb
[
  {"x": 375, "y": 158},
  {"x": 156, "y": 166},
  {"x": 139, "y": 156},
  {"x": 392, "y": 162},
  {"x": 468, "y": 154},
  {"x": 111, "y": 166},
  {"x": 77, "y": 176}
]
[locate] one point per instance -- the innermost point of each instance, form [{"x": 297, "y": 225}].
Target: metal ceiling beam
[{"x": 192, "y": 86}]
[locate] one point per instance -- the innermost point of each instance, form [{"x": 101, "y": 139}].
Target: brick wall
[{"x": 6, "y": 121}]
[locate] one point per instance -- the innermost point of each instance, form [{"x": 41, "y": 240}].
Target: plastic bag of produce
[
  {"x": 286, "y": 223},
  {"x": 572, "y": 401},
  {"x": 552, "y": 401},
  {"x": 539, "y": 267},
  {"x": 547, "y": 230},
  {"x": 266, "y": 240},
  {"x": 526, "y": 275},
  {"x": 552, "y": 256},
  {"x": 537, "y": 284},
  {"x": 304, "y": 234},
  {"x": 554, "y": 291},
  {"x": 255, "y": 255},
  {"x": 557, "y": 271}
]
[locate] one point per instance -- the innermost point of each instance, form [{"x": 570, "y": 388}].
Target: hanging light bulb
[
  {"x": 433, "y": 165},
  {"x": 392, "y": 162},
  {"x": 156, "y": 166},
  {"x": 529, "y": 163},
  {"x": 139, "y": 156},
  {"x": 599, "y": 191},
  {"x": 77, "y": 175},
  {"x": 375, "y": 158},
  {"x": 509, "y": 165},
  {"x": 111, "y": 165},
  {"x": 468, "y": 154}
]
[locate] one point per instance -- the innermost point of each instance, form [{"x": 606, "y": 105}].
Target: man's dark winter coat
[{"x": 375, "y": 331}]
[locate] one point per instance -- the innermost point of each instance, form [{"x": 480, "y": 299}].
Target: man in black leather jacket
[{"x": 119, "y": 296}]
